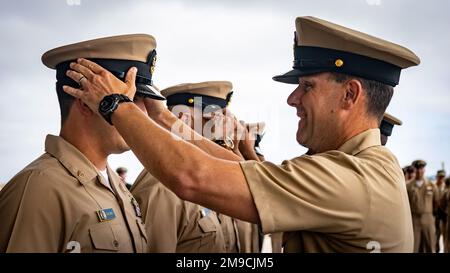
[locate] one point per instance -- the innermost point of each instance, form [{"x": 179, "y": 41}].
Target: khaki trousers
[{"x": 424, "y": 233}]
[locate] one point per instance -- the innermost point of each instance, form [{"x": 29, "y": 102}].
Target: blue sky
[{"x": 245, "y": 42}]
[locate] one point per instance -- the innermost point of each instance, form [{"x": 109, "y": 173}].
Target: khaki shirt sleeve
[
  {"x": 321, "y": 193},
  {"x": 32, "y": 215}
]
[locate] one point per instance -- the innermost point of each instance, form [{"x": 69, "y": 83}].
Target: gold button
[
  {"x": 191, "y": 101},
  {"x": 339, "y": 63}
]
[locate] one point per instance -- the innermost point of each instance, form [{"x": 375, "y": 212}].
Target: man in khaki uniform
[
  {"x": 386, "y": 126},
  {"x": 410, "y": 174},
  {"x": 441, "y": 214},
  {"x": 423, "y": 199},
  {"x": 249, "y": 237},
  {"x": 349, "y": 195},
  {"x": 174, "y": 225},
  {"x": 68, "y": 199},
  {"x": 200, "y": 105}
]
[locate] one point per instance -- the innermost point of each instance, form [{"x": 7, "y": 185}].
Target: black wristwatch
[{"x": 109, "y": 104}]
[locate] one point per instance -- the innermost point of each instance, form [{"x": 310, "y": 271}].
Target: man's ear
[
  {"x": 83, "y": 108},
  {"x": 352, "y": 93}
]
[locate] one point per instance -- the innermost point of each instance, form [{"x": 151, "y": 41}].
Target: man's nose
[{"x": 294, "y": 98}]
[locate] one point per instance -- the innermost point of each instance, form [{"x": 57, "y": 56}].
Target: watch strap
[{"x": 118, "y": 99}]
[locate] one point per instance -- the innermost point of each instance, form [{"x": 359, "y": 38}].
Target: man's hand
[
  {"x": 97, "y": 82},
  {"x": 238, "y": 133},
  {"x": 248, "y": 141},
  {"x": 247, "y": 144}
]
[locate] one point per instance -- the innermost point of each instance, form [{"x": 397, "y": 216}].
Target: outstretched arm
[
  {"x": 166, "y": 119},
  {"x": 184, "y": 168}
]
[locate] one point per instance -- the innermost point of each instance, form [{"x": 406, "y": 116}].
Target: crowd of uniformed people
[{"x": 206, "y": 186}]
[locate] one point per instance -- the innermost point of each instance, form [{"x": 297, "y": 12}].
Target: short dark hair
[
  {"x": 65, "y": 102},
  {"x": 378, "y": 94},
  {"x": 409, "y": 169}
]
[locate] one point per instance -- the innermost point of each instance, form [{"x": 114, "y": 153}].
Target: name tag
[{"x": 106, "y": 215}]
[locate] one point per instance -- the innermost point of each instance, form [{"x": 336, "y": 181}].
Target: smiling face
[{"x": 318, "y": 102}]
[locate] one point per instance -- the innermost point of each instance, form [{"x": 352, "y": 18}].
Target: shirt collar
[
  {"x": 364, "y": 140},
  {"x": 71, "y": 158},
  {"x": 115, "y": 180}
]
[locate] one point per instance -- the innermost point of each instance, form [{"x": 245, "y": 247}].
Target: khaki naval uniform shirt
[
  {"x": 348, "y": 200},
  {"x": 230, "y": 233},
  {"x": 277, "y": 242},
  {"x": 52, "y": 205},
  {"x": 249, "y": 237},
  {"x": 423, "y": 200},
  {"x": 175, "y": 225}
]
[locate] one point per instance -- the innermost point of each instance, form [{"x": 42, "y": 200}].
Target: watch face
[
  {"x": 106, "y": 104},
  {"x": 109, "y": 104}
]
